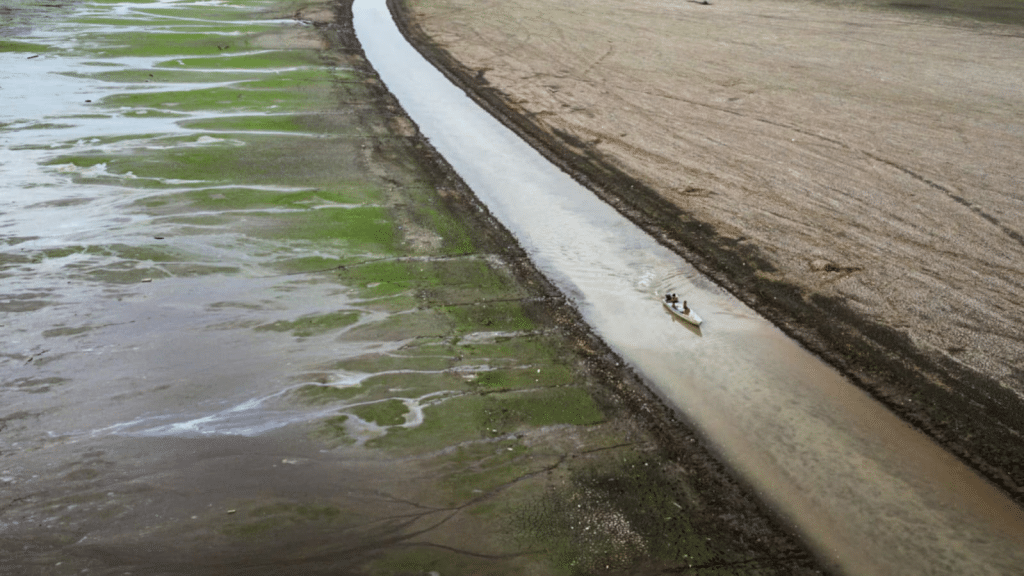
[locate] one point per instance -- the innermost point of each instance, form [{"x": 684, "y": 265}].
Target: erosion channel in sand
[{"x": 823, "y": 453}]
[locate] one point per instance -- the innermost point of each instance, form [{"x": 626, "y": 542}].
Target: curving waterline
[{"x": 869, "y": 494}]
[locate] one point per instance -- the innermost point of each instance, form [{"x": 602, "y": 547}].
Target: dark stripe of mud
[
  {"x": 967, "y": 412},
  {"x": 728, "y": 509}
]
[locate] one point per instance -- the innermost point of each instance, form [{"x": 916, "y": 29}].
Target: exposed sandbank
[{"x": 850, "y": 172}]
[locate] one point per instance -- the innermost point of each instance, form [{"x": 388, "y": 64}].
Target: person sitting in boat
[
  {"x": 686, "y": 309},
  {"x": 671, "y": 298}
]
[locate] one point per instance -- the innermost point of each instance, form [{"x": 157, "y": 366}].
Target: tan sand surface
[{"x": 867, "y": 161}]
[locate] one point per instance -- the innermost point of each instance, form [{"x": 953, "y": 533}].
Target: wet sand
[{"x": 848, "y": 171}]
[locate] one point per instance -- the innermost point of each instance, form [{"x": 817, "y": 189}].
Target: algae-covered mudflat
[{"x": 253, "y": 325}]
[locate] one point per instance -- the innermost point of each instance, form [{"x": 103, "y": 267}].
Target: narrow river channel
[{"x": 868, "y": 493}]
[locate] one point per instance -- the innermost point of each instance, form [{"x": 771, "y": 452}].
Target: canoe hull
[{"x": 692, "y": 317}]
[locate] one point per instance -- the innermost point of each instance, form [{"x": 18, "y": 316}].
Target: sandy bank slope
[{"x": 853, "y": 174}]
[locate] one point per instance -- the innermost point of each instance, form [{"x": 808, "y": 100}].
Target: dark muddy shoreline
[{"x": 967, "y": 412}]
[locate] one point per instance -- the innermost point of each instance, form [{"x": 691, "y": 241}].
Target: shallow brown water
[{"x": 869, "y": 493}]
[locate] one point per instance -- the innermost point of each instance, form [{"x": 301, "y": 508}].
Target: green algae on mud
[
  {"x": 314, "y": 324},
  {"x": 265, "y": 123},
  {"x": 262, "y": 60},
  {"x": 14, "y": 46},
  {"x": 317, "y": 394},
  {"x": 391, "y": 412}
]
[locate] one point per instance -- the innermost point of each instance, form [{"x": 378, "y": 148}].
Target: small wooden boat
[{"x": 676, "y": 308}]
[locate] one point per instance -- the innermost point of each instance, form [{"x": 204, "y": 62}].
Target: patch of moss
[
  {"x": 202, "y": 224},
  {"x": 469, "y": 281},
  {"x": 538, "y": 351},
  {"x": 150, "y": 75},
  {"x": 79, "y": 160},
  {"x": 307, "y": 264},
  {"x": 417, "y": 324},
  {"x": 313, "y": 325},
  {"x": 15, "y": 46},
  {"x": 509, "y": 411},
  {"x": 263, "y": 122},
  {"x": 386, "y": 278},
  {"x": 135, "y": 262},
  {"x": 333, "y": 432},
  {"x": 512, "y": 379},
  {"x": 387, "y": 362},
  {"x": 241, "y": 198},
  {"x": 210, "y": 13},
  {"x": 261, "y": 160},
  {"x": 116, "y": 44},
  {"x": 300, "y": 79},
  {"x": 488, "y": 316},
  {"x": 264, "y": 60},
  {"x": 387, "y": 413},
  {"x": 367, "y": 229},
  {"x": 224, "y": 98},
  {"x": 411, "y": 384},
  {"x": 448, "y": 423},
  {"x": 125, "y": 273},
  {"x": 319, "y": 395},
  {"x": 456, "y": 238},
  {"x": 41, "y": 126},
  {"x": 441, "y": 281},
  {"x": 63, "y": 252},
  {"x": 301, "y": 124},
  {"x": 473, "y": 417}
]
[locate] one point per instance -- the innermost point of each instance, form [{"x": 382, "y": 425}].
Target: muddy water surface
[{"x": 870, "y": 494}]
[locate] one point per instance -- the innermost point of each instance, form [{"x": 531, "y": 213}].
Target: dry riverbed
[
  {"x": 253, "y": 325},
  {"x": 849, "y": 170}
]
